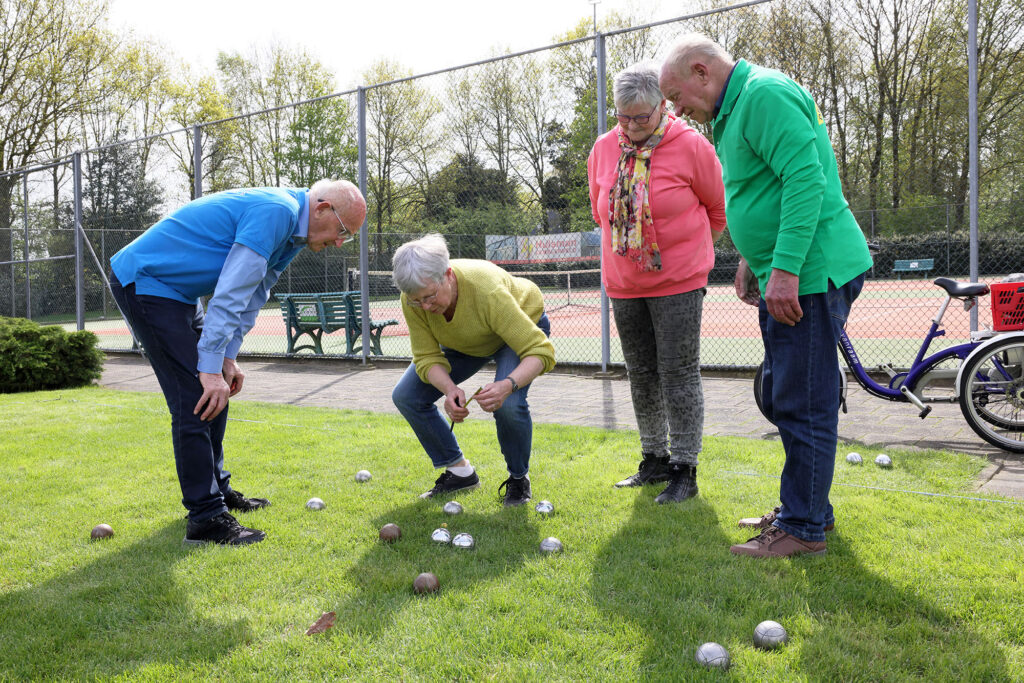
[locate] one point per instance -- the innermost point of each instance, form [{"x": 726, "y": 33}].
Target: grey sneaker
[
  {"x": 767, "y": 519},
  {"x": 223, "y": 530}
]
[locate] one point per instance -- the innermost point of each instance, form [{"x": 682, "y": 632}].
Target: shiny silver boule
[
  {"x": 769, "y": 635},
  {"x": 551, "y": 545},
  {"x": 463, "y": 541},
  {"x": 441, "y": 536},
  {"x": 713, "y": 656},
  {"x": 883, "y": 460},
  {"x": 854, "y": 459},
  {"x": 452, "y": 507},
  {"x": 545, "y": 507},
  {"x": 363, "y": 475},
  {"x": 315, "y": 504}
]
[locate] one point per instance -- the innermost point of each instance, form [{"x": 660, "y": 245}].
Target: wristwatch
[{"x": 515, "y": 387}]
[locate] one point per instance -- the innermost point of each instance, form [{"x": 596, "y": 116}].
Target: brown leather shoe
[
  {"x": 774, "y": 542},
  {"x": 767, "y": 519}
]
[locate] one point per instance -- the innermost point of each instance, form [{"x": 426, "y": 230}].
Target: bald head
[
  {"x": 335, "y": 207},
  {"x": 693, "y": 76}
]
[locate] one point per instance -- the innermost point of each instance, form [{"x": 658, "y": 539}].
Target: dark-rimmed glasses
[
  {"x": 344, "y": 235},
  {"x": 641, "y": 120}
]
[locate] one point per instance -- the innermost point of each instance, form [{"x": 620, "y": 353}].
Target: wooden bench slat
[{"x": 316, "y": 314}]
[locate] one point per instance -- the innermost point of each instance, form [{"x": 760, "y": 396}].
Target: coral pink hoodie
[{"x": 687, "y": 204}]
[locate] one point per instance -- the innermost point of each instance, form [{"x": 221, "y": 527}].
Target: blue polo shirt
[{"x": 233, "y": 245}]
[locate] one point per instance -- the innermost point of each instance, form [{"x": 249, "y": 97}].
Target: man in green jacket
[{"x": 801, "y": 248}]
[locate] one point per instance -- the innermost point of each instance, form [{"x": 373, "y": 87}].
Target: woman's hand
[
  {"x": 492, "y": 396},
  {"x": 455, "y": 405}
]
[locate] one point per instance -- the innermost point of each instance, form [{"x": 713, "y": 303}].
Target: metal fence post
[
  {"x": 79, "y": 265},
  {"x": 197, "y": 161},
  {"x": 602, "y": 121},
  {"x": 28, "y": 279},
  {"x": 364, "y": 246},
  {"x": 972, "y": 120}
]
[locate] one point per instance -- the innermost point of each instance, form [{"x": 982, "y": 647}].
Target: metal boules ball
[
  {"x": 426, "y": 583},
  {"x": 551, "y": 545},
  {"x": 713, "y": 656},
  {"x": 315, "y": 504},
  {"x": 854, "y": 459},
  {"x": 452, "y": 507},
  {"x": 102, "y": 531},
  {"x": 441, "y": 536},
  {"x": 363, "y": 475},
  {"x": 389, "y": 533},
  {"x": 769, "y": 635},
  {"x": 463, "y": 541},
  {"x": 545, "y": 507},
  {"x": 883, "y": 460}
]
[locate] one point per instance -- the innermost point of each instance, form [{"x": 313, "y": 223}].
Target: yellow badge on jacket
[{"x": 817, "y": 111}]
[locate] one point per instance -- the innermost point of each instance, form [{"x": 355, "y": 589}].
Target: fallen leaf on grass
[{"x": 325, "y": 621}]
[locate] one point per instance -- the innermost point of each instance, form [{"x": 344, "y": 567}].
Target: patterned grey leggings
[{"x": 661, "y": 344}]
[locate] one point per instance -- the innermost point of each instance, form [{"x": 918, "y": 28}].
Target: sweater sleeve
[
  {"x": 595, "y": 190},
  {"x": 513, "y": 325},
  {"x": 707, "y": 182},
  {"x": 426, "y": 351},
  {"x": 785, "y": 140}
]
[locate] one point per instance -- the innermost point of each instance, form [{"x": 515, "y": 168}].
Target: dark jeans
[
  {"x": 660, "y": 338},
  {"x": 415, "y": 400},
  {"x": 169, "y": 332},
  {"x": 800, "y": 392}
]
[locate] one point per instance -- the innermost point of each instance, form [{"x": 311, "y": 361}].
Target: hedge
[{"x": 34, "y": 357}]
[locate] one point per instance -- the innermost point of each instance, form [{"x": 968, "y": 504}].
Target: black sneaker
[
  {"x": 223, "y": 529},
  {"x": 651, "y": 471},
  {"x": 450, "y": 483},
  {"x": 517, "y": 491},
  {"x": 237, "y": 501},
  {"x": 681, "y": 485}
]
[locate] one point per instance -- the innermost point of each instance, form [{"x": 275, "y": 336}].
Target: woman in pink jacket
[{"x": 656, "y": 190}]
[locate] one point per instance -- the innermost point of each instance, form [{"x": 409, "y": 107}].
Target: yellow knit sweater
[{"x": 493, "y": 309}]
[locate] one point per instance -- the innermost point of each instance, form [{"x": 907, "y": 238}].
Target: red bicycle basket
[{"x": 1007, "y": 306}]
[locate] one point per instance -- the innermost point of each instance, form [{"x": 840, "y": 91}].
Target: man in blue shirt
[{"x": 233, "y": 245}]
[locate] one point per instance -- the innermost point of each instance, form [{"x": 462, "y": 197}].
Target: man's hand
[
  {"x": 233, "y": 375},
  {"x": 455, "y": 405},
  {"x": 746, "y": 284},
  {"x": 492, "y": 396},
  {"x": 215, "y": 395},
  {"x": 782, "y": 296}
]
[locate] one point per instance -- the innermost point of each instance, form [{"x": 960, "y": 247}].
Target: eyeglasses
[
  {"x": 344, "y": 235},
  {"x": 425, "y": 301},
  {"x": 641, "y": 120}
]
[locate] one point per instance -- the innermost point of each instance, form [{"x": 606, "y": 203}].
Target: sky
[{"x": 348, "y": 36}]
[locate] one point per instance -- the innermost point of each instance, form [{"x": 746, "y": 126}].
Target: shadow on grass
[
  {"x": 383, "y": 577},
  {"x": 670, "y": 574},
  {"x": 107, "y": 618}
]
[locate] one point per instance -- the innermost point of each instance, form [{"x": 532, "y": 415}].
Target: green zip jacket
[{"x": 783, "y": 200}]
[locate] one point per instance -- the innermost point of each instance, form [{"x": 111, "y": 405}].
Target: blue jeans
[
  {"x": 415, "y": 400},
  {"x": 800, "y": 392},
  {"x": 169, "y": 331}
]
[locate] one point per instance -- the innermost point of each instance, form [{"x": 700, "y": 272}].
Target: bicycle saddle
[{"x": 961, "y": 289}]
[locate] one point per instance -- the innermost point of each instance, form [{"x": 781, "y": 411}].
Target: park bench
[
  {"x": 919, "y": 265},
  {"x": 326, "y": 312}
]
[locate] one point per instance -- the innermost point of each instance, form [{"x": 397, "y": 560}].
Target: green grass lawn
[{"x": 912, "y": 587}]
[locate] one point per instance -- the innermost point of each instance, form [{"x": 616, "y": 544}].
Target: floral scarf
[{"x": 629, "y": 215}]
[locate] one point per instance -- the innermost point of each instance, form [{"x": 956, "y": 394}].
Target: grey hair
[
  {"x": 418, "y": 262},
  {"x": 339, "y": 193},
  {"x": 693, "y": 46},
  {"x": 635, "y": 84}
]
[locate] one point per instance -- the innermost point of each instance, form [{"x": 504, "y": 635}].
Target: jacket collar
[{"x": 737, "y": 81}]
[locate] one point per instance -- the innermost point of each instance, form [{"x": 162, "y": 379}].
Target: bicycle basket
[{"x": 1007, "y": 306}]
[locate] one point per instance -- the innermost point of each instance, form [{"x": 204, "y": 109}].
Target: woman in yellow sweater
[{"x": 461, "y": 314}]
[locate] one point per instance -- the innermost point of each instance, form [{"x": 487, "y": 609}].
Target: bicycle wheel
[{"x": 992, "y": 395}]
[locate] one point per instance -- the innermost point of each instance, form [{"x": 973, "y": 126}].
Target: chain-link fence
[{"x": 493, "y": 156}]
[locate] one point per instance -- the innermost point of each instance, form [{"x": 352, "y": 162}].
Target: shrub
[{"x": 33, "y": 357}]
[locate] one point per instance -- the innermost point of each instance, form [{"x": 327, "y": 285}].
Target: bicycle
[{"x": 985, "y": 375}]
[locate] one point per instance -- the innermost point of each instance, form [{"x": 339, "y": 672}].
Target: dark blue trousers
[
  {"x": 169, "y": 332},
  {"x": 800, "y": 391}
]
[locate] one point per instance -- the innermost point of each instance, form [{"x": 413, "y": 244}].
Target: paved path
[{"x": 585, "y": 400}]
